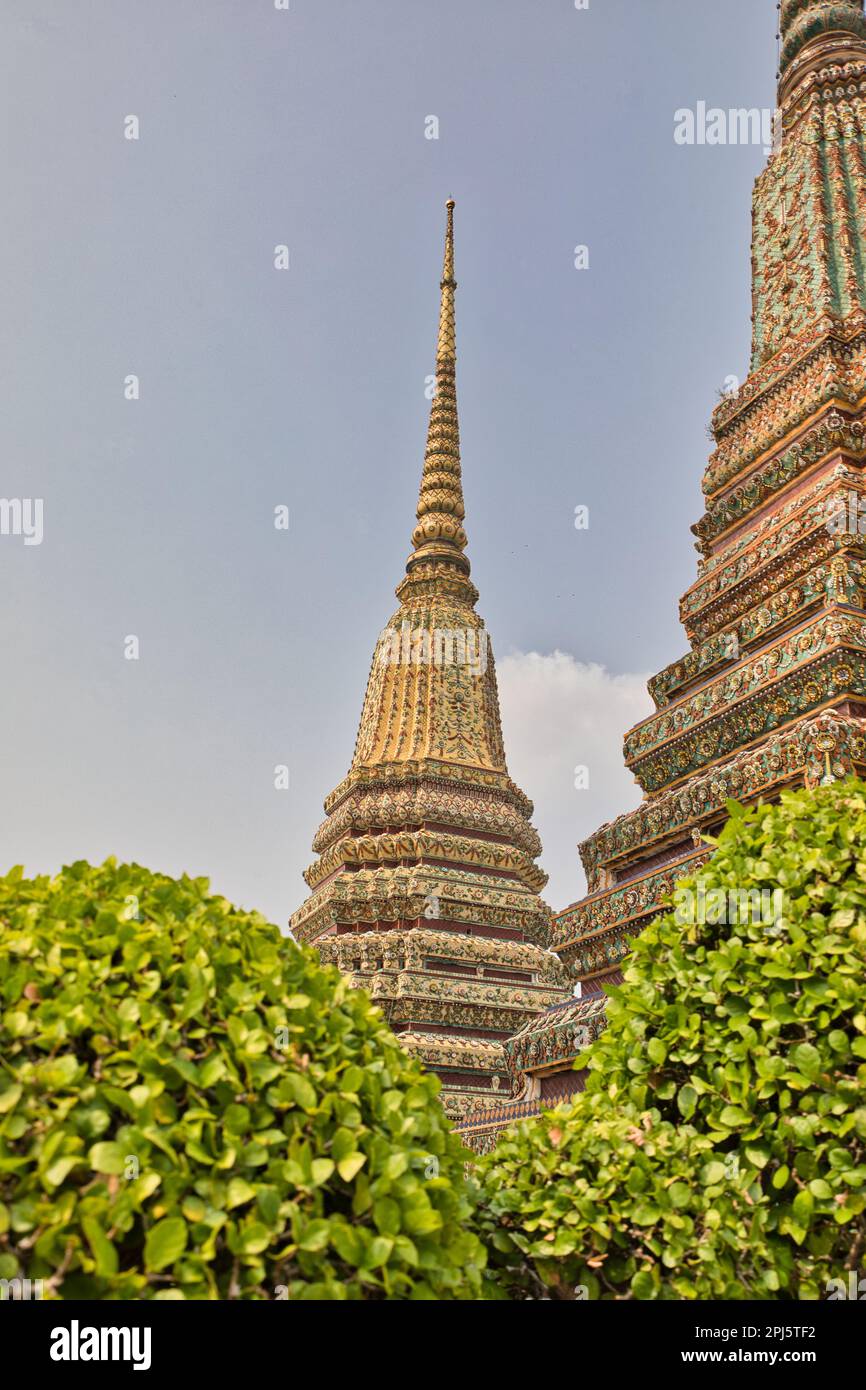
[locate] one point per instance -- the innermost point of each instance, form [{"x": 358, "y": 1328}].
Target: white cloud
[{"x": 558, "y": 714}]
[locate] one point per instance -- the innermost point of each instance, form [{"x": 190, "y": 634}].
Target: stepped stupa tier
[
  {"x": 426, "y": 887},
  {"x": 772, "y": 691}
]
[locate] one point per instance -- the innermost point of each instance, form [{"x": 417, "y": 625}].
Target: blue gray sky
[{"x": 306, "y": 387}]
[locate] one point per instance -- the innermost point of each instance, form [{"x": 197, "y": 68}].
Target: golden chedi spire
[
  {"x": 432, "y": 689},
  {"x": 427, "y": 846},
  {"x": 437, "y": 563}
]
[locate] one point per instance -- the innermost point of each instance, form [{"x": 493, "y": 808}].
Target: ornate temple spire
[
  {"x": 426, "y": 889},
  {"x": 810, "y": 29},
  {"x": 809, "y": 208},
  {"x": 772, "y": 693},
  {"x": 437, "y": 563}
]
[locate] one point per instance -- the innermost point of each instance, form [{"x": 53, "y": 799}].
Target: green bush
[
  {"x": 192, "y": 1107},
  {"x": 719, "y": 1150}
]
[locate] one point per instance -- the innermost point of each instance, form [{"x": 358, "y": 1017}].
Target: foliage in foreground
[
  {"x": 719, "y": 1150},
  {"x": 192, "y": 1107}
]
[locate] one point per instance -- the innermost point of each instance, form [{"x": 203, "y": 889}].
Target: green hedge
[
  {"x": 719, "y": 1150},
  {"x": 192, "y": 1107}
]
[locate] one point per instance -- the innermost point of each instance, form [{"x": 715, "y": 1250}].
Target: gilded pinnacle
[
  {"x": 446, "y": 347},
  {"x": 437, "y": 563}
]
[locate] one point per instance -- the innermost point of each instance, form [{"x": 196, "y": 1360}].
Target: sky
[{"x": 260, "y": 387}]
